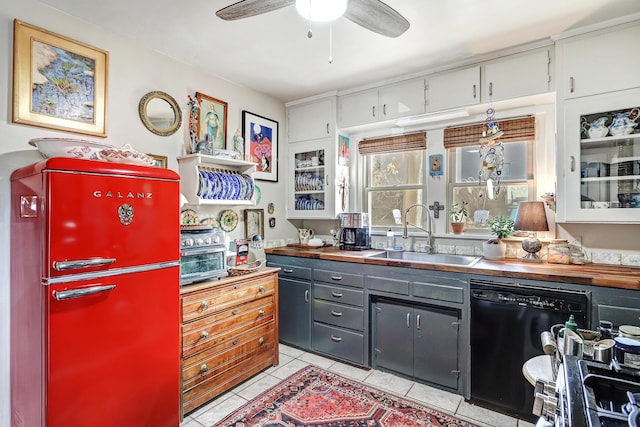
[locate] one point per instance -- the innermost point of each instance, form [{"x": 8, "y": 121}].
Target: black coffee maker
[{"x": 355, "y": 233}]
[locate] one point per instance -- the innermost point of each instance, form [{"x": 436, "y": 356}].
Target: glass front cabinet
[
  {"x": 318, "y": 185},
  {"x": 599, "y": 159}
]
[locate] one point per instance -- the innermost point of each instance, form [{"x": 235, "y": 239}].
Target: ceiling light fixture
[{"x": 321, "y": 10}]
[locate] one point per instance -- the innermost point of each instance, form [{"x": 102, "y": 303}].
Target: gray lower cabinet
[
  {"x": 417, "y": 341},
  {"x": 294, "y": 304}
]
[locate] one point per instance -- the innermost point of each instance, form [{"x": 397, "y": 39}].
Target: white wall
[{"x": 133, "y": 71}]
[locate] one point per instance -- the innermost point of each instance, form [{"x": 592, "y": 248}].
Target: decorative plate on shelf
[
  {"x": 210, "y": 221},
  {"x": 228, "y": 220},
  {"x": 189, "y": 217},
  {"x": 257, "y": 194}
]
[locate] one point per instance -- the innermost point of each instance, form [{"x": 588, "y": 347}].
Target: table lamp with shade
[{"x": 531, "y": 217}]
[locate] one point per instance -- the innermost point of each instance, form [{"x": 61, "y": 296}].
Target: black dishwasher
[{"x": 506, "y": 322}]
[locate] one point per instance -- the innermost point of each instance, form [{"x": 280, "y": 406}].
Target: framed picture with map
[{"x": 58, "y": 83}]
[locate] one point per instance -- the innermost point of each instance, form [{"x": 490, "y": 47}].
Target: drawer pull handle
[
  {"x": 336, "y": 277},
  {"x": 235, "y": 341},
  {"x": 261, "y": 289},
  {"x": 336, "y": 294},
  {"x": 203, "y": 306},
  {"x": 261, "y": 341},
  {"x": 203, "y": 368},
  {"x": 336, "y": 313},
  {"x": 234, "y": 312},
  {"x": 287, "y": 270},
  {"x": 261, "y": 313},
  {"x": 204, "y": 335},
  {"x": 335, "y": 339}
]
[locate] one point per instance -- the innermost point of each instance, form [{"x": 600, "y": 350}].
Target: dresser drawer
[
  {"x": 221, "y": 326},
  {"x": 221, "y": 378},
  {"x": 339, "y": 315},
  {"x": 337, "y": 342},
  {"x": 345, "y": 279},
  {"x": 216, "y": 298},
  {"x": 339, "y": 294},
  {"x": 218, "y": 358}
]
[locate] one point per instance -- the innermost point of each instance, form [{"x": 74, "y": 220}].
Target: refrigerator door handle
[
  {"x": 77, "y": 293},
  {"x": 82, "y": 263}
]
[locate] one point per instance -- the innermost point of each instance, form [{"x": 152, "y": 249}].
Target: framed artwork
[
  {"x": 159, "y": 161},
  {"x": 253, "y": 223},
  {"x": 58, "y": 83},
  {"x": 261, "y": 145},
  {"x": 343, "y": 151},
  {"x": 212, "y": 121},
  {"x": 435, "y": 165}
]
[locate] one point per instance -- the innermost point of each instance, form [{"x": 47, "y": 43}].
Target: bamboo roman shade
[
  {"x": 393, "y": 144},
  {"x": 521, "y": 129}
]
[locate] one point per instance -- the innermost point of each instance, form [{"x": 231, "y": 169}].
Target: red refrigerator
[{"x": 95, "y": 303}]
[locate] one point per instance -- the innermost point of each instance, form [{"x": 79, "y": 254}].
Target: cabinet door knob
[
  {"x": 261, "y": 341},
  {"x": 203, "y": 368},
  {"x": 261, "y": 313},
  {"x": 235, "y": 341},
  {"x": 203, "y": 306},
  {"x": 261, "y": 289},
  {"x": 204, "y": 334}
]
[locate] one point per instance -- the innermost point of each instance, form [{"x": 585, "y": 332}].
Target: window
[
  {"x": 517, "y": 181},
  {"x": 395, "y": 177}
]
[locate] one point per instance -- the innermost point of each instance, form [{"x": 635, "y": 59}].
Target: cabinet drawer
[
  {"x": 394, "y": 286},
  {"x": 200, "y": 304},
  {"x": 338, "y": 294},
  {"x": 218, "y": 380},
  {"x": 339, "y": 315},
  {"x": 218, "y": 327},
  {"x": 346, "y": 279},
  {"x": 293, "y": 272},
  {"x": 438, "y": 292},
  {"x": 346, "y": 345},
  {"x": 217, "y": 358}
]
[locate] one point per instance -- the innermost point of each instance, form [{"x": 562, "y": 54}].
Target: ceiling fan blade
[
  {"x": 376, "y": 16},
  {"x": 247, "y": 8}
]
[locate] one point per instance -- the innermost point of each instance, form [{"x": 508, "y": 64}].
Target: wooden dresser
[{"x": 229, "y": 333}]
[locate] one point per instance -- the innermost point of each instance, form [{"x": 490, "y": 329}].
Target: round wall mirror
[{"x": 160, "y": 113}]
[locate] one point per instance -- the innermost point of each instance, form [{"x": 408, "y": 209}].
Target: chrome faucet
[{"x": 428, "y": 231}]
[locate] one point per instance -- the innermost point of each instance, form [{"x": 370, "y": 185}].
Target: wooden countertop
[
  {"x": 207, "y": 284},
  {"x": 588, "y": 274}
]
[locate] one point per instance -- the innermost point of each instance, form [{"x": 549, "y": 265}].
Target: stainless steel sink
[{"x": 422, "y": 257}]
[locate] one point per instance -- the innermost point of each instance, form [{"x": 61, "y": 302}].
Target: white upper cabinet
[
  {"x": 517, "y": 76},
  {"x": 384, "y": 103},
  {"x": 453, "y": 89},
  {"x": 312, "y": 120},
  {"x": 598, "y": 62}
]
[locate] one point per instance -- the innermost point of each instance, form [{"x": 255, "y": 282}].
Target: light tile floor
[{"x": 292, "y": 359}]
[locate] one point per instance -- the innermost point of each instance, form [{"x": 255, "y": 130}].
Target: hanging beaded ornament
[{"x": 492, "y": 155}]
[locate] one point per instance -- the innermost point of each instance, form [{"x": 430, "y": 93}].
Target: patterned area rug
[{"x": 313, "y": 397}]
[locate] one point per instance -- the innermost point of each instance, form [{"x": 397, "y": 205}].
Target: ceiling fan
[{"x": 373, "y": 15}]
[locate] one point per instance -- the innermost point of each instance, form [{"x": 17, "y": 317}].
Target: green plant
[
  {"x": 501, "y": 227},
  {"x": 458, "y": 212}
]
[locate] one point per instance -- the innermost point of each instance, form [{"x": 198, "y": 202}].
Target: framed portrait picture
[
  {"x": 212, "y": 121},
  {"x": 343, "y": 150},
  {"x": 253, "y": 223},
  {"x": 158, "y": 161},
  {"x": 261, "y": 145},
  {"x": 58, "y": 83}
]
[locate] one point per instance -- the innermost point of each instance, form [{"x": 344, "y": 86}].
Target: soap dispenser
[{"x": 391, "y": 239}]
